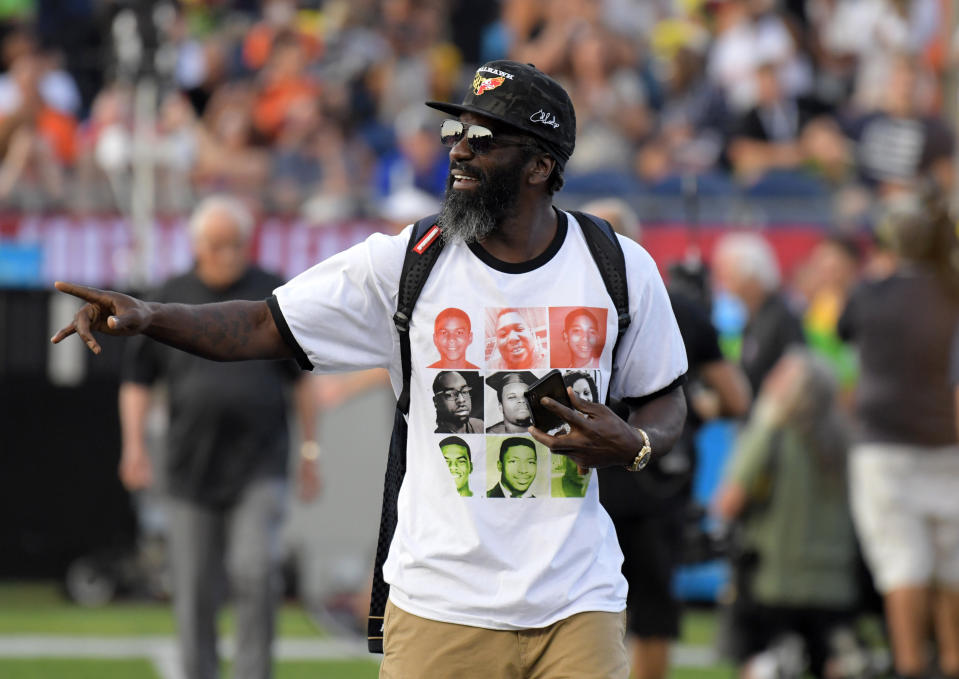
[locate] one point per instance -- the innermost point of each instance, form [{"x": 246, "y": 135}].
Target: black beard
[{"x": 471, "y": 216}]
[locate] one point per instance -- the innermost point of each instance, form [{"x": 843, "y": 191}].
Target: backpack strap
[
  {"x": 422, "y": 252},
  {"x": 608, "y": 254}
]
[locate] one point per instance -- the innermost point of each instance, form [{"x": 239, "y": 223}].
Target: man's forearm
[
  {"x": 224, "y": 331},
  {"x": 134, "y": 402},
  {"x": 662, "y": 419}
]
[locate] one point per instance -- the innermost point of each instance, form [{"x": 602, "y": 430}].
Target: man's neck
[
  {"x": 457, "y": 427},
  {"x": 524, "y": 235}
]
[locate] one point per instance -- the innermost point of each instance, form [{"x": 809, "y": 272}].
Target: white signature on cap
[{"x": 542, "y": 116}]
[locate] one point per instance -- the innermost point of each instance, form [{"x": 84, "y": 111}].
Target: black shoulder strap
[
  {"x": 422, "y": 252},
  {"x": 608, "y": 254}
]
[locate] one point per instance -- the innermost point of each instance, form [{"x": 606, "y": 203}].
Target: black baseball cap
[{"x": 523, "y": 97}]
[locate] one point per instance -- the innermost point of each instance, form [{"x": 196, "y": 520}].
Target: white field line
[{"x": 162, "y": 650}]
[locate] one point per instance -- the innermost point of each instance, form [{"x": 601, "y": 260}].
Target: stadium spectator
[
  {"x": 896, "y": 144},
  {"x": 769, "y": 136},
  {"x": 37, "y": 141},
  {"x": 284, "y": 82},
  {"x": 227, "y": 158}
]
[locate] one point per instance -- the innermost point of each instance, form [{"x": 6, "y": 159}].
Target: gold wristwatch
[{"x": 643, "y": 456}]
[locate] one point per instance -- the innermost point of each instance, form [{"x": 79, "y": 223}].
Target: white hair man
[
  {"x": 745, "y": 266},
  {"x": 227, "y": 453}
]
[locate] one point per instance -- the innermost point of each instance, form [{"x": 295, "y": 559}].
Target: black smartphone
[{"x": 551, "y": 384}]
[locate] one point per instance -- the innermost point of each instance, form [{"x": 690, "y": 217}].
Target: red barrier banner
[{"x": 100, "y": 251}]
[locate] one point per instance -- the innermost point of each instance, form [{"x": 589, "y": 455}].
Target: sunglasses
[{"x": 480, "y": 139}]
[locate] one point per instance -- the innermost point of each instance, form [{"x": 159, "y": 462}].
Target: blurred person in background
[
  {"x": 225, "y": 467},
  {"x": 745, "y": 267},
  {"x": 419, "y": 161},
  {"x": 770, "y": 135},
  {"x": 104, "y": 143},
  {"x": 692, "y": 124},
  {"x": 904, "y": 471},
  {"x": 227, "y": 157},
  {"x": 175, "y": 151},
  {"x": 825, "y": 281},
  {"x": 613, "y": 114},
  {"x": 284, "y": 81},
  {"x": 898, "y": 143},
  {"x": 794, "y": 555},
  {"x": 37, "y": 141},
  {"x": 748, "y": 33},
  {"x": 649, "y": 511}
]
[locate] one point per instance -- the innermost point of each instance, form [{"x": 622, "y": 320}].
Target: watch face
[{"x": 644, "y": 456}]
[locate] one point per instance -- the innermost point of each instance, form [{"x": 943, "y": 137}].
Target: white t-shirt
[{"x": 490, "y": 561}]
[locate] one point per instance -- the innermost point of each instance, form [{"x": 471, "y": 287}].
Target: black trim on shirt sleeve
[
  {"x": 287, "y": 335},
  {"x": 639, "y": 401}
]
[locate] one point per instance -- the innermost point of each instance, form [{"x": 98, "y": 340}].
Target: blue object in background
[
  {"x": 705, "y": 581},
  {"x": 21, "y": 266}
]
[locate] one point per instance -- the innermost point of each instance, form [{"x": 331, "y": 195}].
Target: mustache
[{"x": 466, "y": 169}]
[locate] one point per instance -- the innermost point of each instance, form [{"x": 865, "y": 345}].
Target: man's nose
[{"x": 461, "y": 150}]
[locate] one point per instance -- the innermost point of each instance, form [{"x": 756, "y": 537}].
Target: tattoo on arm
[{"x": 224, "y": 331}]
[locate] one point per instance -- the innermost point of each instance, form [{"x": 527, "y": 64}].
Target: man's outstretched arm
[{"x": 224, "y": 331}]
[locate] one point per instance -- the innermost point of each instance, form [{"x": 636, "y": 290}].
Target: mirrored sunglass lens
[
  {"x": 479, "y": 138},
  {"x": 451, "y": 132}
]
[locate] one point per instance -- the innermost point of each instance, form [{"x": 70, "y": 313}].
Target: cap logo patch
[
  {"x": 481, "y": 84},
  {"x": 545, "y": 118}
]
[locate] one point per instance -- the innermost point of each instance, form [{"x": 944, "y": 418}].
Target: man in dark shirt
[
  {"x": 648, "y": 509},
  {"x": 745, "y": 267},
  {"x": 226, "y": 458}
]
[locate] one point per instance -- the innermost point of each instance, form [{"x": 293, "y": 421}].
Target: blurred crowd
[{"x": 316, "y": 107}]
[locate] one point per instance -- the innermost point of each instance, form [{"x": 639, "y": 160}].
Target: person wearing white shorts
[{"x": 904, "y": 471}]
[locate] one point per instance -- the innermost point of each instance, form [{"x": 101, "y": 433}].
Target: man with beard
[
  {"x": 452, "y": 333},
  {"x": 505, "y": 245},
  {"x": 510, "y": 392},
  {"x": 460, "y": 463},
  {"x": 518, "y": 345},
  {"x": 517, "y": 469},
  {"x": 454, "y": 403}
]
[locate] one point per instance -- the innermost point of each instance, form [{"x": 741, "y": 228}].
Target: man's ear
[{"x": 541, "y": 169}]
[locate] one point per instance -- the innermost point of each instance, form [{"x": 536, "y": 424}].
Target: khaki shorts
[
  {"x": 905, "y": 504},
  {"x": 583, "y": 646}
]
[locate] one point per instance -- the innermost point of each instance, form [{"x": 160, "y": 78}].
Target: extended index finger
[{"x": 85, "y": 293}]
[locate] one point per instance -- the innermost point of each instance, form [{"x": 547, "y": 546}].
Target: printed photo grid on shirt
[{"x": 479, "y": 383}]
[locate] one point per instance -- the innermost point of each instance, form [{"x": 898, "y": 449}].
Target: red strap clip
[{"x": 427, "y": 240}]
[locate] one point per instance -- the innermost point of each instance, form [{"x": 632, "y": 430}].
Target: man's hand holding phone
[{"x": 597, "y": 436}]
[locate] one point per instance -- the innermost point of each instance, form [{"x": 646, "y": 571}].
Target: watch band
[{"x": 643, "y": 456}]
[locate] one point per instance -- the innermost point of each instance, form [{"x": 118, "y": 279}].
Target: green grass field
[{"x": 33, "y": 609}]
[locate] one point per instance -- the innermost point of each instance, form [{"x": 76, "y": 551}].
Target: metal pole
[{"x": 142, "y": 204}]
